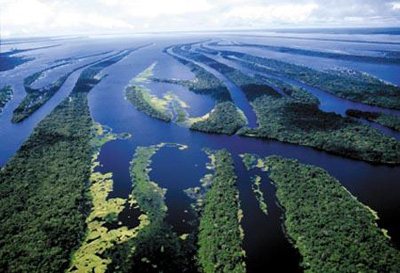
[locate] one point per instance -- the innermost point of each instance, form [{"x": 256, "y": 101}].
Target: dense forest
[
  {"x": 6, "y": 93},
  {"x": 220, "y": 234},
  {"x": 297, "y": 119},
  {"x": 290, "y": 121},
  {"x": 41, "y": 191},
  {"x": 35, "y": 98},
  {"x": 387, "y": 120},
  {"x": 225, "y": 118},
  {"x": 42, "y": 187},
  {"x": 331, "y": 229},
  {"x": 350, "y": 85}
]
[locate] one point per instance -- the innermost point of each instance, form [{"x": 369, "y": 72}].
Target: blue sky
[{"x": 65, "y": 17}]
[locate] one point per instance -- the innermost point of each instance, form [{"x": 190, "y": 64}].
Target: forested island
[
  {"x": 220, "y": 234},
  {"x": 350, "y": 85},
  {"x": 332, "y": 230},
  {"x": 224, "y": 118},
  {"x": 296, "y": 118},
  {"x": 36, "y": 97}
]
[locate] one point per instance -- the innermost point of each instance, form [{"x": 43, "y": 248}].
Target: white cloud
[
  {"x": 287, "y": 13},
  {"x": 55, "y": 17},
  {"x": 154, "y": 8},
  {"x": 396, "y": 6}
]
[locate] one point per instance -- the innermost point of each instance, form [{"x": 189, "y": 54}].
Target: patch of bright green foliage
[
  {"x": 256, "y": 180},
  {"x": 333, "y": 231},
  {"x": 91, "y": 256},
  {"x": 147, "y": 103}
]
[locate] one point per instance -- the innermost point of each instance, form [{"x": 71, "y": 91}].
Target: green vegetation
[
  {"x": 42, "y": 200},
  {"x": 205, "y": 83},
  {"x": 331, "y": 229},
  {"x": 6, "y": 93},
  {"x": 220, "y": 234},
  {"x": 388, "y": 120},
  {"x": 350, "y": 85},
  {"x": 35, "y": 98},
  {"x": 160, "y": 108},
  {"x": 41, "y": 191},
  {"x": 290, "y": 121},
  {"x": 147, "y": 103},
  {"x": 156, "y": 248},
  {"x": 297, "y": 119},
  {"x": 258, "y": 193},
  {"x": 91, "y": 255},
  {"x": 295, "y": 92},
  {"x": 225, "y": 118}
]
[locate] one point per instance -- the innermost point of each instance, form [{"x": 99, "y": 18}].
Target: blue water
[{"x": 265, "y": 243}]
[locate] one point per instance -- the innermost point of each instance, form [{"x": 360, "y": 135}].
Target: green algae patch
[
  {"x": 91, "y": 255},
  {"x": 256, "y": 183},
  {"x": 156, "y": 248},
  {"x": 145, "y": 75}
]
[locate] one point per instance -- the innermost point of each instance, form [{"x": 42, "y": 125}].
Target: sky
[{"x": 71, "y": 17}]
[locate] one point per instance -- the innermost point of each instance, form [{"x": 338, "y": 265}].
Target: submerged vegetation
[
  {"x": 6, "y": 93},
  {"x": 156, "y": 248},
  {"x": 220, "y": 234},
  {"x": 332, "y": 230},
  {"x": 256, "y": 187},
  {"x": 91, "y": 256},
  {"x": 387, "y": 120},
  {"x": 42, "y": 200}
]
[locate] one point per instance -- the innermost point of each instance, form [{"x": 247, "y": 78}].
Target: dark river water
[{"x": 377, "y": 186}]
